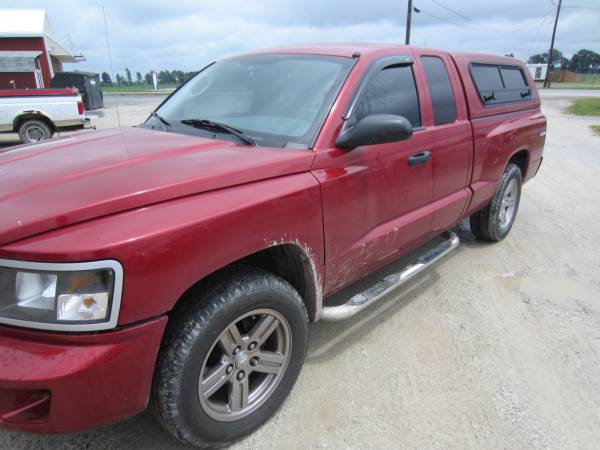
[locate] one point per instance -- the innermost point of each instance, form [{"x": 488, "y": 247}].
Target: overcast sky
[{"x": 186, "y": 34}]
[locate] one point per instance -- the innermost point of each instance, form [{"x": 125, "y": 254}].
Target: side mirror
[{"x": 375, "y": 129}]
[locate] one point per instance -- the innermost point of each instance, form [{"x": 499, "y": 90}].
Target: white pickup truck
[{"x": 36, "y": 114}]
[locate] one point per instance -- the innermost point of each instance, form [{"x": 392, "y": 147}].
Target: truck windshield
[{"x": 277, "y": 100}]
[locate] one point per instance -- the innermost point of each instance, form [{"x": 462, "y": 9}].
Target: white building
[{"x": 538, "y": 71}]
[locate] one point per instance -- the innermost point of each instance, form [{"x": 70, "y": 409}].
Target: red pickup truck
[{"x": 180, "y": 262}]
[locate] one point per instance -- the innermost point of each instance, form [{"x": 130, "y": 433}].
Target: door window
[
  {"x": 391, "y": 91},
  {"x": 442, "y": 98}
]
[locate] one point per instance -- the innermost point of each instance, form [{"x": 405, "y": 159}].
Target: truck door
[
  {"x": 450, "y": 129},
  {"x": 376, "y": 198}
]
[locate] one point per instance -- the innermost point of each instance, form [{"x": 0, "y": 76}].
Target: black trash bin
[{"x": 88, "y": 84}]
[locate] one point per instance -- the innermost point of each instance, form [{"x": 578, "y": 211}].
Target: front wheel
[
  {"x": 493, "y": 223},
  {"x": 231, "y": 358}
]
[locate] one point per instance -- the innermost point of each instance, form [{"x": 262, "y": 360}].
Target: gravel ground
[{"x": 495, "y": 347}]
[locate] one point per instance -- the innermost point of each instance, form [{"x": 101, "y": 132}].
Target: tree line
[
  {"x": 129, "y": 79},
  {"x": 584, "y": 61}
]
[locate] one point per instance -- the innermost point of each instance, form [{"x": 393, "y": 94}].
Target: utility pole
[
  {"x": 547, "y": 80},
  {"x": 408, "y": 22}
]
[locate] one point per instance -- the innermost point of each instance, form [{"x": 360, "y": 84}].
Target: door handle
[{"x": 419, "y": 158}]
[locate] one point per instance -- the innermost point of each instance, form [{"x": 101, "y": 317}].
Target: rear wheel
[
  {"x": 33, "y": 130},
  {"x": 231, "y": 358},
  {"x": 494, "y": 222}
]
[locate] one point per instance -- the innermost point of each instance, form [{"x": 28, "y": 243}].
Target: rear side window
[
  {"x": 487, "y": 78},
  {"x": 391, "y": 91},
  {"x": 500, "y": 84},
  {"x": 442, "y": 98},
  {"x": 513, "y": 77}
]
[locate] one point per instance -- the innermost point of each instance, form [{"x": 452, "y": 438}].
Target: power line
[
  {"x": 496, "y": 30},
  {"x": 451, "y": 10},
  {"x": 576, "y": 6}
]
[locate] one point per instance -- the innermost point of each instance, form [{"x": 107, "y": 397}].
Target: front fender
[{"x": 167, "y": 247}]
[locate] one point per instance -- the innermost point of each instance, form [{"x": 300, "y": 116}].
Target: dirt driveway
[{"x": 498, "y": 346}]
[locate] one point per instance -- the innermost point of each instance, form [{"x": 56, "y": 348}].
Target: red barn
[{"x": 29, "y": 53}]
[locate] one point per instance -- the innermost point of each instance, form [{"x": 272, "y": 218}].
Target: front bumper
[{"x": 56, "y": 383}]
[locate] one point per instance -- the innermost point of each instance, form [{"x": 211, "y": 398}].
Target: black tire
[
  {"x": 33, "y": 130},
  {"x": 189, "y": 341},
  {"x": 488, "y": 224}
]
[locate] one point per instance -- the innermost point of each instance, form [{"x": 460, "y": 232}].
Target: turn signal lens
[{"x": 92, "y": 306}]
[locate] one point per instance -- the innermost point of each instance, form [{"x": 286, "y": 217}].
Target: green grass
[
  {"x": 137, "y": 88},
  {"x": 575, "y": 86},
  {"x": 585, "y": 107}
]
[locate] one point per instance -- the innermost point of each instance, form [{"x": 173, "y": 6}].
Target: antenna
[{"x": 112, "y": 72}]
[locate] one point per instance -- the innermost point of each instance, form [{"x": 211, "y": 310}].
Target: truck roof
[
  {"x": 76, "y": 72},
  {"x": 348, "y": 49}
]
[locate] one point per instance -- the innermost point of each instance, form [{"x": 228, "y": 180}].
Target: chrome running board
[{"x": 363, "y": 299}]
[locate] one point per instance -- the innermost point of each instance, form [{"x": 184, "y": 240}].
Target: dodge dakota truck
[
  {"x": 179, "y": 263},
  {"x": 36, "y": 114}
]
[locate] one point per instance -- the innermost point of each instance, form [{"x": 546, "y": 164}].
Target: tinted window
[
  {"x": 442, "y": 99},
  {"x": 500, "y": 84},
  {"x": 487, "y": 78},
  {"x": 391, "y": 91},
  {"x": 513, "y": 77}
]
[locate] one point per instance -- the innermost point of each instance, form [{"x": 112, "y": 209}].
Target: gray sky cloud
[{"x": 188, "y": 34}]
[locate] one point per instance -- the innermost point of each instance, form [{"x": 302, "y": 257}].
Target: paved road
[
  {"x": 556, "y": 93},
  {"x": 496, "y": 347}
]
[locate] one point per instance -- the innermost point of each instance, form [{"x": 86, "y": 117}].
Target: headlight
[{"x": 69, "y": 296}]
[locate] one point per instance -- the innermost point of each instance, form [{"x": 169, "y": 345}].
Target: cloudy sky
[{"x": 186, "y": 34}]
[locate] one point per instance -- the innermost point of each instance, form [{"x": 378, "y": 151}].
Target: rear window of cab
[{"x": 500, "y": 84}]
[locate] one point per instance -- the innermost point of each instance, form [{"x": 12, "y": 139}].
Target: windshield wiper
[
  {"x": 205, "y": 123},
  {"x": 162, "y": 119}
]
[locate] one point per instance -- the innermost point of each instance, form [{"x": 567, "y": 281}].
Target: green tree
[
  {"x": 138, "y": 76},
  {"x": 188, "y": 75},
  {"x": 128, "y": 75},
  {"x": 106, "y": 81},
  {"x": 120, "y": 80},
  {"x": 148, "y": 78},
  {"x": 585, "y": 61},
  {"x": 165, "y": 77},
  {"x": 178, "y": 76},
  {"x": 558, "y": 59}
]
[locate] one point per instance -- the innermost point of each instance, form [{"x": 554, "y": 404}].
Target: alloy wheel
[{"x": 245, "y": 365}]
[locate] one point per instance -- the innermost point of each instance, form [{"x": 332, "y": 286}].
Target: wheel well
[
  {"x": 521, "y": 159},
  {"x": 35, "y": 116},
  {"x": 288, "y": 261}
]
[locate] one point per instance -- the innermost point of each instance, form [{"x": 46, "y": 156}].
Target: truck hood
[{"x": 61, "y": 182}]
